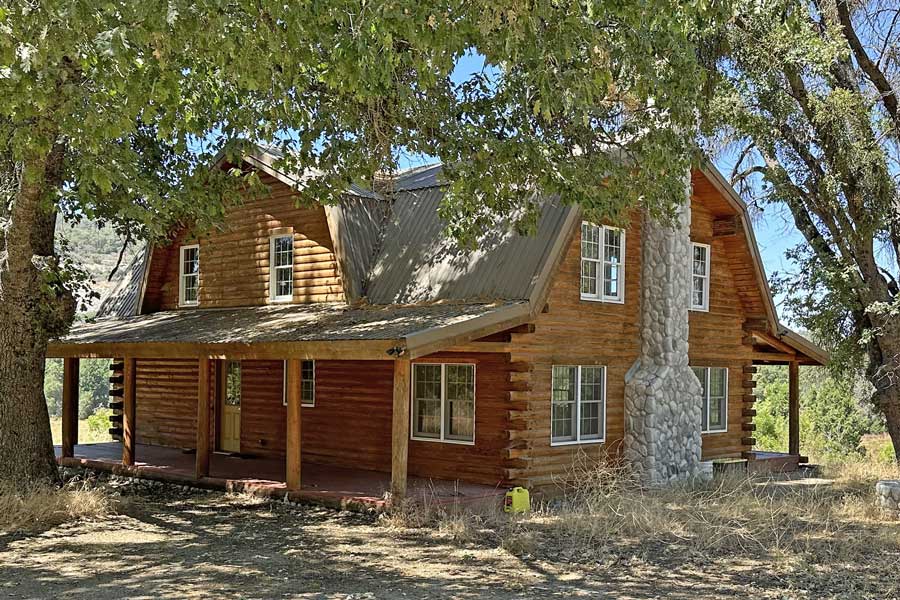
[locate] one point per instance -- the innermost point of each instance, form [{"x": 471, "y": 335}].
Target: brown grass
[
  {"x": 834, "y": 519},
  {"x": 38, "y": 507}
]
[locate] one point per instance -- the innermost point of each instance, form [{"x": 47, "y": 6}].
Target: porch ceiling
[{"x": 296, "y": 330}]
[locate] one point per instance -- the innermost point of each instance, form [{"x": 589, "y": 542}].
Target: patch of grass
[
  {"x": 86, "y": 435},
  {"x": 40, "y": 507}
]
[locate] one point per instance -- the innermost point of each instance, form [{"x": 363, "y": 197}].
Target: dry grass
[
  {"x": 39, "y": 507},
  {"x": 831, "y": 520}
]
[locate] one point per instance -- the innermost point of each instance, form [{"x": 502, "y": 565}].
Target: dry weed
[{"x": 33, "y": 507}]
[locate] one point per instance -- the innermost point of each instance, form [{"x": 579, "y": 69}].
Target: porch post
[
  {"x": 201, "y": 469},
  {"x": 294, "y": 424},
  {"x": 794, "y": 407},
  {"x": 128, "y": 412},
  {"x": 400, "y": 429},
  {"x": 70, "y": 406}
]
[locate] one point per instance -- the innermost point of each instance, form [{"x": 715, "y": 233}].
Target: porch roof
[{"x": 296, "y": 329}]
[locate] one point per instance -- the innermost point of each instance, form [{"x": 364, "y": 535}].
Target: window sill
[
  {"x": 188, "y": 304},
  {"x": 602, "y": 300},
  {"x": 281, "y": 300},
  {"x": 714, "y": 431},
  {"x": 576, "y": 443},
  {"x": 440, "y": 441},
  {"x": 699, "y": 309}
]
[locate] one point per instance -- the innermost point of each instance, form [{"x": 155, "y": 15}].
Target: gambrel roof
[{"x": 392, "y": 252}]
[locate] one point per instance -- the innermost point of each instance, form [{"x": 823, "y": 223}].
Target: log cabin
[{"x": 349, "y": 350}]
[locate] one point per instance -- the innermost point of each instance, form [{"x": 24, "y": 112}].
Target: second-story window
[
  {"x": 700, "y": 277},
  {"x": 189, "y": 275},
  {"x": 602, "y": 263},
  {"x": 281, "y": 261}
]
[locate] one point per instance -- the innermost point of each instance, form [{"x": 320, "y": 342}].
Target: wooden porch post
[
  {"x": 128, "y": 412},
  {"x": 70, "y": 406},
  {"x": 201, "y": 469},
  {"x": 400, "y": 429},
  {"x": 294, "y": 424},
  {"x": 794, "y": 407}
]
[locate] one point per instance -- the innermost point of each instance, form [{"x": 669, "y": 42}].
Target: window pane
[
  {"x": 307, "y": 382},
  {"x": 591, "y": 403},
  {"x": 718, "y": 401},
  {"x": 717, "y": 382},
  {"x": 563, "y": 403},
  {"x": 284, "y": 281},
  {"x": 190, "y": 274},
  {"x": 589, "y": 277},
  {"x": 698, "y": 292},
  {"x": 611, "y": 280},
  {"x": 233, "y": 384},
  {"x": 699, "y": 260},
  {"x": 460, "y": 402},
  {"x": 284, "y": 251},
  {"x": 427, "y": 401},
  {"x": 700, "y": 372},
  {"x": 613, "y": 243},
  {"x": 590, "y": 241}
]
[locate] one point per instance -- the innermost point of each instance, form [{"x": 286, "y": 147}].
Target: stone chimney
[{"x": 662, "y": 394}]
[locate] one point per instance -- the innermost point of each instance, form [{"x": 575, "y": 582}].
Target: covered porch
[
  {"x": 786, "y": 348},
  {"x": 167, "y": 364},
  {"x": 331, "y": 486}
]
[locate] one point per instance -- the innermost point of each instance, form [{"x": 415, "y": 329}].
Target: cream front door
[{"x": 230, "y": 403}]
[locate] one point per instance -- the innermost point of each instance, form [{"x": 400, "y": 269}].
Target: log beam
[
  {"x": 70, "y": 406},
  {"x": 201, "y": 468},
  {"x": 129, "y": 430},
  {"x": 400, "y": 429},
  {"x": 794, "y": 407},
  {"x": 293, "y": 456}
]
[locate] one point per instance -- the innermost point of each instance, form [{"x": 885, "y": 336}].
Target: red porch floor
[{"x": 333, "y": 486}]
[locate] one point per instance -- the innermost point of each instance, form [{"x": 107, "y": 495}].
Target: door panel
[{"x": 230, "y": 405}]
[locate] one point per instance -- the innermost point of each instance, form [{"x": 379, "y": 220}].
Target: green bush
[{"x": 98, "y": 423}]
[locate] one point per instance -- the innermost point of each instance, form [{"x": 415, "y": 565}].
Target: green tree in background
[
  {"x": 114, "y": 111},
  {"x": 93, "y": 388},
  {"x": 808, "y": 97}
]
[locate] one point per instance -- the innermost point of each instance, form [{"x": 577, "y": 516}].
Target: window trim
[
  {"x": 273, "y": 269},
  {"x": 601, "y": 262},
  {"x": 704, "y": 427},
  {"x": 182, "y": 274},
  {"x": 412, "y": 399},
  {"x": 578, "y": 441},
  {"x": 706, "y": 278},
  {"x": 284, "y": 370}
]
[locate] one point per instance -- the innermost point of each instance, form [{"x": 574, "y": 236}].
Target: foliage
[
  {"x": 93, "y": 388},
  {"x": 98, "y": 422},
  {"x": 807, "y": 100},
  {"x": 834, "y": 413}
]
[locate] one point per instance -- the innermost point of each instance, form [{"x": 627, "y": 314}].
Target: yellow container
[{"x": 517, "y": 501}]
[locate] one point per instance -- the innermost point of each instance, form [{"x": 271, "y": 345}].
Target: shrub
[{"x": 98, "y": 423}]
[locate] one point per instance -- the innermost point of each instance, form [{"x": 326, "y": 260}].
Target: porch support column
[
  {"x": 201, "y": 468},
  {"x": 128, "y": 412},
  {"x": 70, "y": 406},
  {"x": 400, "y": 429},
  {"x": 294, "y": 424},
  {"x": 794, "y": 407}
]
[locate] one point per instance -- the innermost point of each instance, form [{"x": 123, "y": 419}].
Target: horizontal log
[{"x": 748, "y": 441}]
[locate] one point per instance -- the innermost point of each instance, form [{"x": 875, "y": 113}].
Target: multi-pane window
[
  {"x": 578, "y": 404},
  {"x": 233, "y": 383},
  {"x": 281, "y": 261},
  {"x": 714, "y": 383},
  {"x": 602, "y": 263},
  {"x": 189, "y": 275},
  {"x": 700, "y": 277},
  {"x": 307, "y": 383},
  {"x": 443, "y": 402}
]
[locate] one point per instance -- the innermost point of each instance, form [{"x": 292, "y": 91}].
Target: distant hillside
[{"x": 97, "y": 248}]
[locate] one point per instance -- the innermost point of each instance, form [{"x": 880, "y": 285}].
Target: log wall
[{"x": 234, "y": 259}]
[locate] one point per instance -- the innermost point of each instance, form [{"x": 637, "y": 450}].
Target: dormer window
[
  {"x": 189, "y": 275},
  {"x": 281, "y": 265},
  {"x": 602, "y": 263},
  {"x": 700, "y": 277}
]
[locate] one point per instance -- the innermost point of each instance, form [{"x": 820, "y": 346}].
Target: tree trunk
[
  {"x": 884, "y": 373},
  {"x": 34, "y": 306},
  {"x": 889, "y": 401}
]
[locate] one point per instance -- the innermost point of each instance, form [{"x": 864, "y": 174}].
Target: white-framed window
[
  {"x": 189, "y": 275},
  {"x": 714, "y": 382},
  {"x": 443, "y": 398},
  {"x": 281, "y": 268},
  {"x": 700, "y": 277},
  {"x": 578, "y": 404},
  {"x": 602, "y": 263},
  {"x": 307, "y": 383}
]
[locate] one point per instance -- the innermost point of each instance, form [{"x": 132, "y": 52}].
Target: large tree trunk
[
  {"x": 884, "y": 373},
  {"x": 34, "y": 306}
]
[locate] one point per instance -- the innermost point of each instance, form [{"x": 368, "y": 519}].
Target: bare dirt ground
[{"x": 210, "y": 545}]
